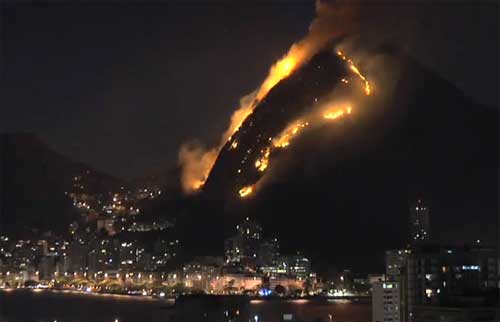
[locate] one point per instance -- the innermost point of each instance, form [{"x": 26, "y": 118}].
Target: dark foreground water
[{"x": 30, "y": 306}]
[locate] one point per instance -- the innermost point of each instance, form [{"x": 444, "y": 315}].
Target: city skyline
[{"x": 323, "y": 161}]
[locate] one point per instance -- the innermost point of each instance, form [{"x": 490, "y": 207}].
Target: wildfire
[
  {"x": 197, "y": 163},
  {"x": 197, "y": 184},
  {"x": 246, "y": 191},
  {"x": 282, "y": 69},
  {"x": 367, "y": 86},
  {"x": 279, "y": 71},
  {"x": 331, "y": 112},
  {"x": 284, "y": 138},
  {"x": 263, "y": 162},
  {"x": 199, "y": 169},
  {"x": 335, "y": 113}
]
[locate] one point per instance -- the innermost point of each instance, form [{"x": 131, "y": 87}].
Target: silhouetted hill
[
  {"x": 344, "y": 192},
  {"x": 33, "y": 182}
]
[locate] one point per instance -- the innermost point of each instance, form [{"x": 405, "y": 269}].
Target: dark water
[{"x": 29, "y": 306}]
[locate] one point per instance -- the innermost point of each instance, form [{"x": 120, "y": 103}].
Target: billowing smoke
[{"x": 195, "y": 160}]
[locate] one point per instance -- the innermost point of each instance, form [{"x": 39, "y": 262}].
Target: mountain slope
[
  {"x": 33, "y": 182},
  {"x": 352, "y": 183}
]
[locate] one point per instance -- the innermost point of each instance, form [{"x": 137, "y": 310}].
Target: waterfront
[{"x": 26, "y": 305}]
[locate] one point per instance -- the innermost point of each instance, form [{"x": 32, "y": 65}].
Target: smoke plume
[{"x": 195, "y": 160}]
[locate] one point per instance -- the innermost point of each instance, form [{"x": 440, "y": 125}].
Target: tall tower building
[
  {"x": 419, "y": 222},
  {"x": 386, "y": 301},
  {"x": 244, "y": 246}
]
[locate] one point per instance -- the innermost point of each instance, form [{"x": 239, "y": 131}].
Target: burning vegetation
[
  {"x": 367, "y": 86},
  {"x": 335, "y": 113},
  {"x": 197, "y": 162},
  {"x": 245, "y": 191},
  {"x": 329, "y": 111},
  {"x": 284, "y": 139}
]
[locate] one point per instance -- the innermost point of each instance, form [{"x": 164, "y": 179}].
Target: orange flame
[
  {"x": 367, "y": 86},
  {"x": 282, "y": 69},
  {"x": 333, "y": 113},
  {"x": 284, "y": 138},
  {"x": 197, "y": 165},
  {"x": 263, "y": 162},
  {"x": 245, "y": 191},
  {"x": 200, "y": 168}
]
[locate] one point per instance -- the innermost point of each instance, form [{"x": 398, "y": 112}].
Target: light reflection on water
[{"x": 70, "y": 306}]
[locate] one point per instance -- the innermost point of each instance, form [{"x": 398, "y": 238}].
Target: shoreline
[{"x": 252, "y": 299}]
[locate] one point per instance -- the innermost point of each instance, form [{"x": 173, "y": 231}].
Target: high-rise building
[
  {"x": 438, "y": 274},
  {"x": 249, "y": 229},
  {"x": 296, "y": 266},
  {"x": 386, "y": 302},
  {"x": 269, "y": 252},
  {"x": 132, "y": 255},
  {"x": 104, "y": 255},
  {"x": 244, "y": 246},
  {"x": 419, "y": 222},
  {"x": 395, "y": 263},
  {"x": 78, "y": 254}
]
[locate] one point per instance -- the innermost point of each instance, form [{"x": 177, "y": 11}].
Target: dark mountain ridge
[
  {"x": 33, "y": 182},
  {"x": 353, "y": 182}
]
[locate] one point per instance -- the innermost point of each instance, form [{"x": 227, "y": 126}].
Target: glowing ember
[
  {"x": 196, "y": 169},
  {"x": 331, "y": 112},
  {"x": 284, "y": 138},
  {"x": 198, "y": 184},
  {"x": 246, "y": 191},
  {"x": 263, "y": 162},
  {"x": 197, "y": 162},
  {"x": 367, "y": 87},
  {"x": 279, "y": 71},
  {"x": 335, "y": 113}
]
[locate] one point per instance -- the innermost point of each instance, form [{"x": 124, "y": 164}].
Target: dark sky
[{"x": 121, "y": 85}]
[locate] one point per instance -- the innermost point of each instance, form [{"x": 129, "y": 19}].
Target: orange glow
[
  {"x": 284, "y": 138},
  {"x": 282, "y": 69},
  {"x": 197, "y": 162},
  {"x": 335, "y": 112},
  {"x": 263, "y": 162},
  {"x": 367, "y": 86},
  {"x": 197, "y": 184},
  {"x": 333, "y": 115},
  {"x": 197, "y": 166},
  {"x": 246, "y": 191}
]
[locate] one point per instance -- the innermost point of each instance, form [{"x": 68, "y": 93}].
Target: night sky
[{"x": 121, "y": 85}]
